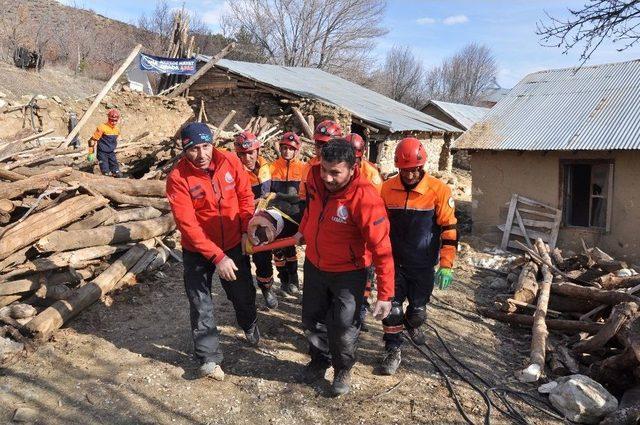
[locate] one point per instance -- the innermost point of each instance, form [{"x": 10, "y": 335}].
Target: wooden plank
[
  {"x": 206, "y": 67},
  {"x": 308, "y": 131},
  {"x": 523, "y": 229},
  {"x": 509, "y": 223},
  {"x": 556, "y": 229},
  {"x": 85, "y": 117},
  {"x": 534, "y": 212},
  {"x": 534, "y": 203},
  {"x": 538, "y": 223},
  {"x": 531, "y": 233}
]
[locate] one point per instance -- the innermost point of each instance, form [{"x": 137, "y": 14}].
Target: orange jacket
[
  {"x": 260, "y": 178},
  {"x": 286, "y": 174},
  {"x": 106, "y": 137},
  {"x": 345, "y": 229},
  {"x": 370, "y": 172},
  {"x": 211, "y": 208},
  {"x": 423, "y": 222}
]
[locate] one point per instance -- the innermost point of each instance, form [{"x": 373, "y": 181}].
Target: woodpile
[
  {"x": 590, "y": 304},
  {"x": 68, "y": 238}
]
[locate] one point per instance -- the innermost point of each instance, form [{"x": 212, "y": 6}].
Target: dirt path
[{"x": 130, "y": 363}]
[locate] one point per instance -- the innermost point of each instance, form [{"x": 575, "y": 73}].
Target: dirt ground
[{"x": 131, "y": 363}]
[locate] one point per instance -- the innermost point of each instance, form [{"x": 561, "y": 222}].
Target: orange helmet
[
  {"x": 290, "y": 139},
  {"x": 410, "y": 153},
  {"x": 246, "y": 142},
  {"x": 357, "y": 142},
  {"x": 326, "y": 131},
  {"x": 113, "y": 114}
]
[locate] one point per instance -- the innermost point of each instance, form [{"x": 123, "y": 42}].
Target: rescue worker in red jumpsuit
[
  {"x": 105, "y": 141},
  {"x": 423, "y": 234},
  {"x": 287, "y": 175},
  {"x": 346, "y": 228},
  {"x": 247, "y": 147},
  {"x": 211, "y": 200}
]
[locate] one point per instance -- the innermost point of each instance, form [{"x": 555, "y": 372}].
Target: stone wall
[{"x": 432, "y": 144}]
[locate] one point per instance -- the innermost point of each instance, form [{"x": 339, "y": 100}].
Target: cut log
[
  {"x": 539, "y": 327},
  {"x": 32, "y": 282},
  {"x": 131, "y": 278},
  {"x": 94, "y": 220},
  {"x": 106, "y": 235},
  {"x": 593, "y": 294},
  {"x": 570, "y": 305},
  {"x": 120, "y": 198},
  {"x": 39, "y": 182},
  {"x": 569, "y": 326},
  {"x": 7, "y": 205},
  {"x": 134, "y": 214},
  {"x": 225, "y": 122},
  {"x": 52, "y": 318},
  {"x": 14, "y": 259},
  {"x": 304, "y": 125},
  {"x": 8, "y": 299},
  {"x": 11, "y": 175},
  {"x": 160, "y": 259},
  {"x": 203, "y": 70},
  {"x": 526, "y": 288},
  {"x": 76, "y": 259},
  {"x": 611, "y": 281},
  {"x": 620, "y": 315},
  {"x": 43, "y": 223}
]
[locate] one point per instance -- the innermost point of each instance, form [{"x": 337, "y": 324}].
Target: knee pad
[
  {"x": 395, "y": 316},
  {"x": 416, "y": 316}
]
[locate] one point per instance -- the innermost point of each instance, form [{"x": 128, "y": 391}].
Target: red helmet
[
  {"x": 357, "y": 142},
  {"x": 246, "y": 142},
  {"x": 326, "y": 131},
  {"x": 113, "y": 114},
  {"x": 290, "y": 139},
  {"x": 410, "y": 153}
]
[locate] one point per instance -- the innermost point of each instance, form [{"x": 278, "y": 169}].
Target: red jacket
[
  {"x": 211, "y": 208},
  {"x": 343, "y": 230}
]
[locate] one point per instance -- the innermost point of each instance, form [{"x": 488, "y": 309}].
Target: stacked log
[
  {"x": 599, "y": 307},
  {"x": 71, "y": 237}
]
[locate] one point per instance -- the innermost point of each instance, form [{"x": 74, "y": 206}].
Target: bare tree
[
  {"x": 402, "y": 77},
  {"x": 158, "y": 25},
  {"x": 597, "y": 21},
  {"x": 327, "y": 34},
  {"x": 462, "y": 77}
]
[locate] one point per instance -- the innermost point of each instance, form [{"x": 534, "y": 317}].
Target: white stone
[
  {"x": 25, "y": 414},
  {"x": 3, "y": 103},
  {"x": 2, "y": 94},
  {"x": 624, "y": 273},
  {"x": 530, "y": 374},
  {"x": 41, "y": 97},
  {"x": 8, "y": 349},
  {"x": 581, "y": 399},
  {"x": 547, "y": 388}
]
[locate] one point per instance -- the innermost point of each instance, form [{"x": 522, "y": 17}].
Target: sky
[{"x": 435, "y": 29}]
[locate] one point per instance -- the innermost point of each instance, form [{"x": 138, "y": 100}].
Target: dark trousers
[
  {"x": 264, "y": 269},
  {"x": 416, "y": 286},
  {"x": 286, "y": 260},
  {"x": 198, "y": 275},
  {"x": 331, "y": 314},
  {"x": 108, "y": 162}
]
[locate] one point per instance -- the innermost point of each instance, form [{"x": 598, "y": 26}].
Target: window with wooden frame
[{"x": 587, "y": 193}]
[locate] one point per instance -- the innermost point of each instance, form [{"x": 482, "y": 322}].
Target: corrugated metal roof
[
  {"x": 369, "y": 106},
  {"x": 464, "y": 115},
  {"x": 590, "y": 108},
  {"x": 493, "y": 94}
]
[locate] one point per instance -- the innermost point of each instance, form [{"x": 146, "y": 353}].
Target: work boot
[
  {"x": 417, "y": 336},
  {"x": 253, "y": 335},
  {"x": 292, "y": 286},
  {"x": 270, "y": 298},
  {"x": 341, "y": 382},
  {"x": 211, "y": 370},
  {"x": 313, "y": 371},
  {"x": 118, "y": 175},
  {"x": 391, "y": 361}
]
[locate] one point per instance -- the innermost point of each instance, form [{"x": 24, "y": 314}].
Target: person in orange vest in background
[
  {"x": 106, "y": 139},
  {"x": 346, "y": 229},
  {"x": 287, "y": 174},
  {"x": 423, "y": 233},
  {"x": 323, "y": 132},
  {"x": 247, "y": 147},
  {"x": 212, "y": 203},
  {"x": 369, "y": 172}
]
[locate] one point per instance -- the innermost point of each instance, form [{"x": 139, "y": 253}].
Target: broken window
[{"x": 587, "y": 193}]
